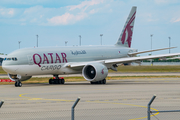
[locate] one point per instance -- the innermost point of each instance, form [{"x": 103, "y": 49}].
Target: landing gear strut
[
  {"x": 99, "y": 82},
  {"x": 18, "y": 84},
  {"x": 56, "y": 80}
]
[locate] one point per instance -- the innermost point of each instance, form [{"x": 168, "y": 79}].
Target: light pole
[
  {"x": 101, "y": 38},
  {"x": 169, "y": 43},
  {"x": 66, "y": 43},
  {"x": 37, "y": 40},
  {"x": 19, "y": 43},
  {"x": 80, "y": 40},
  {"x": 151, "y": 43}
]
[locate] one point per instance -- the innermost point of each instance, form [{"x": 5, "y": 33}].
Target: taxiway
[{"x": 117, "y": 100}]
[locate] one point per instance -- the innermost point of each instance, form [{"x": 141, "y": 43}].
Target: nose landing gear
[{"x": 18, "y": 84}]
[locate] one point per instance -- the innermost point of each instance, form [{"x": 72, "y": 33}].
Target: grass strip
[
  {"x": 79, "y": 79},
  {"x": 145, "y": 69}
]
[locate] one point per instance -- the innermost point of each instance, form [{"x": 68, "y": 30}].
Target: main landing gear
[
  {"x": 18, "y": 84},
  {"x": 99, "y": 82},
  {"x": 56, "y": 80}
]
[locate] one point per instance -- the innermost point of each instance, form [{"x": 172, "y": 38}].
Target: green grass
[{"x": 148, "y": 69}]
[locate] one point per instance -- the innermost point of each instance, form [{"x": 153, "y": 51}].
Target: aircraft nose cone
[
  {"x": 9, "y": 69},
  {"x": 5, "y": 68}
]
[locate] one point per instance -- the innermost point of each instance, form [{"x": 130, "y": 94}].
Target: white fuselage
[{"x": 42, "y": 61}]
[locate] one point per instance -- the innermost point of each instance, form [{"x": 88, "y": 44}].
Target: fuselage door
[{"x": 30, "y": 59}]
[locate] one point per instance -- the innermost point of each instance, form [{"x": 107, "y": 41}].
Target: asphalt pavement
[{"x": 117, "y": 100}]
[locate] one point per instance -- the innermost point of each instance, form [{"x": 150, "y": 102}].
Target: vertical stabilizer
[{"x": 127, "y": 32}]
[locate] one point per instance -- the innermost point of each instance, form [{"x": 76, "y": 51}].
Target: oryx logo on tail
[{"x": 126, "y": 34}]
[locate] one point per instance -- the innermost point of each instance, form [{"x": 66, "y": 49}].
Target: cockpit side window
[
  {"x": 14, "y": 59},
  {"x": 8, "y": 59}
]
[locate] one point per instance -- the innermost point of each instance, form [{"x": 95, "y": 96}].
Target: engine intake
[{"x": 95, "y": 72}]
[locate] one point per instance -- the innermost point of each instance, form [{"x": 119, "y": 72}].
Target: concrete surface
[{"x": 117, "y": 100}]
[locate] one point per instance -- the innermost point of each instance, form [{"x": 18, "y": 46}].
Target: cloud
[
  {"x": 92, "y": 11},
  {"x": 148, "y": 17},
  {"x": 33, "y": 9},
  {"x": 7, "y": 12},
  {"x": 80, "y": 13},
  {"x": 66, "y": 18},
  {"x": 85, "y": 4},
  {"x": 166, "y": 1},
  {"x": 174, "y": 20},
  {"x": 39, "y": 15},
  {"x": 22, "y": 2}
]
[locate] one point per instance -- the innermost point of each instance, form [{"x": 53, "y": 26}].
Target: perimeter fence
[{"x": 109, "y": 111}]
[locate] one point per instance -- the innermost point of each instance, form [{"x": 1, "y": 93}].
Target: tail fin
[{"x": 127, "y": 32}]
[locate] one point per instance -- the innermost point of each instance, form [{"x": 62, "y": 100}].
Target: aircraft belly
[{"x": 30, "y": 70}]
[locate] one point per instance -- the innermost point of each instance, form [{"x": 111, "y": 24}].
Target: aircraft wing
[
  {"x": 170, "y": 58},
  {"x": 121, "y": 60},
  {"x": 135, "y": 53},
  {"x": 132, "y": 59}
]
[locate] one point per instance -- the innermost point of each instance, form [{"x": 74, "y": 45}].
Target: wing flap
[{"x": 132, "y": 59}]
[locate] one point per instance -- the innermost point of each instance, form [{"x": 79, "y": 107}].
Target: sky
[{"x": 57, "y": 21}]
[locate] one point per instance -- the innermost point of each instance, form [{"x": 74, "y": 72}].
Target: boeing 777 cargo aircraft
[{"x": 92, "y": 61}]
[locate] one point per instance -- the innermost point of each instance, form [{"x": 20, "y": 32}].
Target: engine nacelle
[
  {"x": 95, "y": 72},
  {"x": 18, "y": 77}
]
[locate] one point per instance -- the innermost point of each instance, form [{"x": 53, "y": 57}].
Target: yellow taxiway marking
[
  {"x": 129, "y": 105},
  {"x": 29, "y": 98}
]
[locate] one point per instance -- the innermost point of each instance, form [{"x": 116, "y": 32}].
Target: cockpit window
[{"x": 8, "y": 59}]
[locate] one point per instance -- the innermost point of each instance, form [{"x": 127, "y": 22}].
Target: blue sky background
[{"x": 57, "y": 21}]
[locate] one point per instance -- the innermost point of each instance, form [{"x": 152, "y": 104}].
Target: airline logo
[
  {"x": 128, "y": 31},
  {"x": 102, "y": 71},
  {"x": 78, "y": 52},
  {"x": 44, "y": 59}
]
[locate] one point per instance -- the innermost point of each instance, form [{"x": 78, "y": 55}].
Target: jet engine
[
  {"x": 95, "y": 72},
  {"x": 18, "y": 77}
]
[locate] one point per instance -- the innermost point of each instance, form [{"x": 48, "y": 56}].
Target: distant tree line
[{"x": 161, "y": 60}]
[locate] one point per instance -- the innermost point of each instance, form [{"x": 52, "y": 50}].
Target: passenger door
[{"x": 30, "y": 59}]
